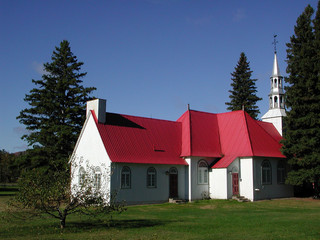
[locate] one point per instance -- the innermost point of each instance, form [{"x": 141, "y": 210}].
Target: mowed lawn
[{"x": 208, "y": 219}]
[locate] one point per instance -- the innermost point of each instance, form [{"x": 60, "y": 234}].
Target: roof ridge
[
  {"x": 248, "y": 131},
  {"x": 190, "y": 131},
  {"x": 202, "y": 112},
  {"x": 150, "y": 118},
  {"x": 219, "y": 135}
]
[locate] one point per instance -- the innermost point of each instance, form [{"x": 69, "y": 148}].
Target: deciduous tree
[{"x": 51, "y": 193}]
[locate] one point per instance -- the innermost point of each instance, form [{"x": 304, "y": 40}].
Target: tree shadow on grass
[
  {"x": 117, "y": 224},
  {"x": 52, "y": 228}
]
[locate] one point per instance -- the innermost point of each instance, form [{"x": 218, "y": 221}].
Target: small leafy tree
[
  {"x": 50, "y": 193},
  {"x": 243, "y": 94}
]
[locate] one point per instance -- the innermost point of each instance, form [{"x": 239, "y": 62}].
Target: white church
[{"x": 200, "y": 155}]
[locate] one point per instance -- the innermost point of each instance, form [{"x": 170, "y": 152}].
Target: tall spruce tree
[
  {"x": 243, "y": 93},
  {"x": 302, "y": 124},
  {"x": 57, "y": 110}
]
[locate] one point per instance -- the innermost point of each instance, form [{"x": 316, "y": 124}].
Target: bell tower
[{"x": 276, "y": 111}]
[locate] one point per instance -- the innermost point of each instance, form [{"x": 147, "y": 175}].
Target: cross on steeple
[
  {"x": 277, "y": 110},
  {"x": 275, "y": 43}
]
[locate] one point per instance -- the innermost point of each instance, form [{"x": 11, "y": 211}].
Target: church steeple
[{"x": 276, "y": 96}]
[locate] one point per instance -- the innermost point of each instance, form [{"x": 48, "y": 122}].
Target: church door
[
  {"x": 235, "y": 183},
  {"x": 173, "y": 183}
]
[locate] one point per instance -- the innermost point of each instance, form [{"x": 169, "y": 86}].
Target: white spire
[
  {"x": 277, "y": 110},
  {"x": 275, "y": 70}
]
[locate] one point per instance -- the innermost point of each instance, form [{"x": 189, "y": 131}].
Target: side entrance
[
  {"x": 235, "y": 184},
  {"x": 173, "y": 183}
]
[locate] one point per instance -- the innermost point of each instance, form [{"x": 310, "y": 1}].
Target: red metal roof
[
  {"x": 242, "y": 136},
  {"x": 132, "y": 139},
  {"x": 200, "y": 134},
  {"x": 271, "y": 130},
  {"x": 224, "y": 135},
  {"x": 230, "y": 135}
]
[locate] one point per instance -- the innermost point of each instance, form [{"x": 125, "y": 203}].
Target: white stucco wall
[
  {"x": 218, "y": 183},
  {"x": 246, "y": 178},
  {"x": 90, "y": 153},
  {"x": 139, "y": 192},
  {"x": 275, "y": 116},
  {"x": 268, "y": 191},
  {"x": 195, "y": 190}
]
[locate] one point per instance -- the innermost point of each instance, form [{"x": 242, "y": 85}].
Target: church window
[
  {"x": 281, "y": 173},
  {"x": 202, "y": 172},
  {"x": 275, "y": 83},
  {"x": 125, "y": 177},
  {"x": 97, "y": 178},
  {"x": 151, "y": 177},
  {"x": 266, "y": 172},
  {"x": 82, "y": 173}
]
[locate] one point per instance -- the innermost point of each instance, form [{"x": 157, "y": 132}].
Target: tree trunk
[
  {"x": 316, "y": 190},
  {"x": 63, "y": 222}
]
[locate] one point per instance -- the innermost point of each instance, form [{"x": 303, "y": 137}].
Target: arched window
[
  {"x": 275, "y": 101},
  {"x": 266, "y": 172},
  {"x": 280, "y": 83},
  {"x": 281, "y": 102},
  {"x": 82, "y": 174},
  {"x": 202, "y": 172},
  {"x": 151, "y": 177},
  {"x": 125, "y": 177},
  {"x": 173, "y": 170},
  {"x": 281, "y": 173},
  {"x": 275, "y": 83}
]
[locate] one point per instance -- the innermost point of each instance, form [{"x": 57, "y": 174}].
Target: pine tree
[
  {"x": 243, "y": 93},
  {"x": 302, "y": 129},
  {"x": 57, "y": 109}
]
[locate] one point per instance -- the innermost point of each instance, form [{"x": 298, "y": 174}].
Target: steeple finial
[{"x": 275, "y": 43}]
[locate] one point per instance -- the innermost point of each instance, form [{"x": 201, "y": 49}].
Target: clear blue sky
[{"x": 146, "y": 57}]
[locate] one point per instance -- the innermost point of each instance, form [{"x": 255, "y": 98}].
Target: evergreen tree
[
  {"x": 57, "y": 110},
  {"x": 302, "y": 130},
  {"x": 243, "y": 93}
]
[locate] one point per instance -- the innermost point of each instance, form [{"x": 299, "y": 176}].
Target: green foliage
[
  {"x": 8, "y": 169},
  {"x": 50, "y": 192},
  {"x": 302, "y": 125},
  {"x": 213, "y": 219},
  {"x": 57, "y": 109},
  {"x": 243, "y": 93}
]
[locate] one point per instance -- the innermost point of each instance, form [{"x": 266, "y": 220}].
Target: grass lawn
[
  {"x": 8, "y": 189},
  {"x": 208, "y": 219}
]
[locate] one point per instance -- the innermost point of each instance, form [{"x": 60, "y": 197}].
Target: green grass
[
  {"x": 8, "y": 189},
  {"x": 210, "y": 219}
]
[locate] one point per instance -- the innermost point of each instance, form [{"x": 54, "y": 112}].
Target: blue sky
[{"x": 146, "y": 57}]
